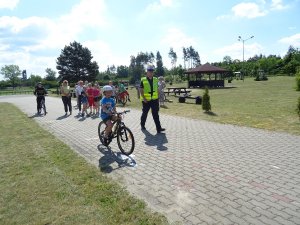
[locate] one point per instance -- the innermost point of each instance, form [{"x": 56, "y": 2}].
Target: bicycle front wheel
[
  {"x": 125, "y": 140},
  {"x": 101, "y": 131},
  {"x": 44, "y": 108}
]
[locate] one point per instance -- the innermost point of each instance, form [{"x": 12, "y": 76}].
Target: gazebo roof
[{"x": 206, "y": 68}]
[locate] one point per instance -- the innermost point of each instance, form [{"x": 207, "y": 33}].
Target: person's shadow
[
  {"x": 109, "y": 157},
  {"x": 62, "y": 117},
  {"x": 156, "y": 140}
]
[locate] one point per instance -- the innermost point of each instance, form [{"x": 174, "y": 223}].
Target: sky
[{"x": 33, "y": 32}]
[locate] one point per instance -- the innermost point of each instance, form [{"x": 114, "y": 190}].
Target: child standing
[
  {"x": 84, "y": 101},
  {"x": 108, "y": 108},
  {"x": 97, "y": 97},
  {"x": 90, "y": 96},
  {"x": 161, "y": 86}
]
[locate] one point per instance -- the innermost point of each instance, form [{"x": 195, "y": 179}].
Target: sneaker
[
  {"x": 161, "y": 130},
  {"x": 66, "y": 114},
  {"x": 129, "y": 100},
  {"x": 82, "y": 115}
]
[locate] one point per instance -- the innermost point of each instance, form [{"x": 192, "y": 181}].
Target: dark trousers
[
  {"x": 79, "y": 102},
  {"x": 38, "y": 101},
  {"x": 154, "y": 106},
  {"x": 67, "y": 103}
]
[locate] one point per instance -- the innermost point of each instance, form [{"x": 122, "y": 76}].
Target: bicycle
[
  {"x": 42, "y": 107},
  {"x": 122, "y": 98},
  {"x": 123, "y": 134}
]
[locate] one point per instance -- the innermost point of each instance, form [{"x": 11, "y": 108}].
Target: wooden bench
[{"x": 182, "y": 99}]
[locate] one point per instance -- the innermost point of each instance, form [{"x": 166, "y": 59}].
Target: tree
[
  {"x": 298, "y": 107},
  {"x": 75, "y": 63},
  {"x": 227, "y": 59},
  {"x": 34, "y": 79},
  {"x": 206, "y": 101},
  {"x": 50, "y": 75},
  {"x": 122, "y": 72},
  {"x": 159, "y": 65},
  {"x": 173, "y": 57},
  {"x": 191, "y": 56},
  {"x": 138, "y": 64},
  {"x": 12, "y": 73}
]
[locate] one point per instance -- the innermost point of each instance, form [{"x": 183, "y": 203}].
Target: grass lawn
[
  {"x": 44, "y": 182},
  {"x": 269, "y": 105}
]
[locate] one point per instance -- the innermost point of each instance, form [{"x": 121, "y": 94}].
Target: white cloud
[
  {"x": 8, "y": 4},
  {"x": 157, "y": 6},
  {"x": 175, "y": 38},
  {"x": 56, "y": 33},
  {"x": 16, "y": 25},
  {"x": 235, "y": 51},
  {"x": 248, "y": 10},
  {"x": 293, "y": 40},
  {"x": 278, "y": 5},
  {"x": 103, "y": 54},
  {"x": 252, "y": 10}
]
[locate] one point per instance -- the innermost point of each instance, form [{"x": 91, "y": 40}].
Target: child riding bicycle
[
  {"x": 108, "y": 109},
  {"x": 40, "y": 93}
]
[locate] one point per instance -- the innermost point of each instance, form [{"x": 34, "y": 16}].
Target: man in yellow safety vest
[{"x": 149, "y": 97}]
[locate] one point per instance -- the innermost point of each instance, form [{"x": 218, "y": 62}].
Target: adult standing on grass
[
  {"x": 79, "y": 90},
  {"x": 66, "y": 97},
  {"x": 149, "y": 97}
]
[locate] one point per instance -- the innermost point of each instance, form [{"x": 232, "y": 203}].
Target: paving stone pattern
[{"x": 198, "y": 172}]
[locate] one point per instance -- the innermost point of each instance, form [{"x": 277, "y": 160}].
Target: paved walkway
[{"x": 198, "y": 172}]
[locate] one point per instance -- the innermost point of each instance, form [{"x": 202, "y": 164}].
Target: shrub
[
  {"x": 298, "y": 107},
  {"x": 298, "y": 81},
  {"x": 206, "y": 101}
]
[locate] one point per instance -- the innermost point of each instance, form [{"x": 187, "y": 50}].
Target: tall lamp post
[{"x": 243, "y": 40}]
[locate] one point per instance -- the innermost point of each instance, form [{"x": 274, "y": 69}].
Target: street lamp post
[{"x": 243, "y": 40}]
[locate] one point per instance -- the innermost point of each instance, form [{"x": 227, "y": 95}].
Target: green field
[
  {"x": 44, "y": 182},
  {"x": 269, "y": 105}
]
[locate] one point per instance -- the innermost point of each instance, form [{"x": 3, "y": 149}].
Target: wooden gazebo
[{"x": 195, "y": 76}]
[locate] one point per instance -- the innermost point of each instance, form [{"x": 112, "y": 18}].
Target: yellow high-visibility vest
[{"x": 147, "y": 89}]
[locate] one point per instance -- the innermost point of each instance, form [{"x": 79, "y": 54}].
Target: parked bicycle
[{"x": 123, "y": 134}]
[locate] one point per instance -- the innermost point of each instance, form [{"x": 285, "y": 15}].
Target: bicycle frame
[{"x": 117, "y": 124}]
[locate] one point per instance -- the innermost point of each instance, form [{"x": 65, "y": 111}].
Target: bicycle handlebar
[{"x": 124, "y": 112}]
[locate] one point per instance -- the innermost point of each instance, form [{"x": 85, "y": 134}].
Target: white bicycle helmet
[{"x": 107, "y": 88}]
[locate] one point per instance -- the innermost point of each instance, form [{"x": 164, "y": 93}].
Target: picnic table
[{"x": 177, "y": 90}]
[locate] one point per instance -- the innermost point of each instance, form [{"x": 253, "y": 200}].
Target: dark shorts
[{"x": 107, "y": 119}]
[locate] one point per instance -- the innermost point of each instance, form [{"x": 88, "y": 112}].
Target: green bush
[
  {"x": 206, "y": 101},
  {"x": 298, "y": 107},
  {"x": 298, "y": 81}
]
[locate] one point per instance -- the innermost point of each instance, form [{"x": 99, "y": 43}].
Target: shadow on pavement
[
  {"x": 35, "y": 115},
  {"x": 156, "y": 140},
  {"x": 62, "y": 117},
  {"x": 111, "y": 157}
]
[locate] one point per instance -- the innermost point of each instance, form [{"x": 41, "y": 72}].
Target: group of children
[{"x": 88, "y": 96}]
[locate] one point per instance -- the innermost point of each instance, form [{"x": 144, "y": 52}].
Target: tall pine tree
[{"x": 159, "y": 71}]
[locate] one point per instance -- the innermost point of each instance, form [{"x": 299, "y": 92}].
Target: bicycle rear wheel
[
  {"x": 101, "y": 131},
  {"x": 125, "y": 140},
  {"x": 123, "y": 100}
]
